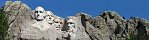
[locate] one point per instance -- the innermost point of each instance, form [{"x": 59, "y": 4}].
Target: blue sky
[{"x": 64, "y": 8}]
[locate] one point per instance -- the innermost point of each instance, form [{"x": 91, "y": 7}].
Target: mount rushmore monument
[{"x": 40, "y": 24}]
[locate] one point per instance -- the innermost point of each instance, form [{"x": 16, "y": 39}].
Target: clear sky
[{"x": 64, "y": 8}]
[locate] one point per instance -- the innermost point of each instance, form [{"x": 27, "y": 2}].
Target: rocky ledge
[{"x": 27, "y": 24}]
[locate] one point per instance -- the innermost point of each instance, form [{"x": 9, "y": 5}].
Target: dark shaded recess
[
  {"x": 25, "y": 39},
  {"x": 106, "y": 19},
  {"x": 98, "y": 27},
  {"x": 57, "y": 39},
  {"x": 110, "y": 16},
  {"x": 103, "y": 15},
  {"x": 83, "y": 21},
  {"x": 123, "y": 17},
  {"x": 126, "y": 29},
  {"x": 118, "y": 29},
  {"x": 68, "y": 38},
  {"x": 65, "y": 27},
  {"x": 142, "y": 33}
]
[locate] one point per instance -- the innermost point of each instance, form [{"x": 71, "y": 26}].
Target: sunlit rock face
[
  {"x": 40, "y": 24},
  {"x": 40, "y": 27}
]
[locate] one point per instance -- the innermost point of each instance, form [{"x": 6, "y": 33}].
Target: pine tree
[{"x": 3, "y": 26}]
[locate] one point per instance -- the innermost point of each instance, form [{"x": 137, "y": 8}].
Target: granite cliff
[{"x": 39, "y": 24}]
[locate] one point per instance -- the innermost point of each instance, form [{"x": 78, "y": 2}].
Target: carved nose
[
  {"x": 50, "y": 18},
  {"x": 68, "y": 26},
  {"x": 37, "y": 15}
]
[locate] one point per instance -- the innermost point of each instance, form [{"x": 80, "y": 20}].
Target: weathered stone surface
[
  {"x": 102, "y": 29},
  {"x": 23, "y": 25},
  {"x": 138, "y": 27},
  {"x": 17, "y": 14}
]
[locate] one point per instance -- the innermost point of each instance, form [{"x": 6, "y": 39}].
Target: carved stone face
[
  {"x": 70, "y": 23},
  {"x": 58, "y": 23},
  {"x": 39, "y": 13},
  {"x": 49, "y": 13},
  {"x": 50, "y": 17},
  {"x": 51, "y": 20}
]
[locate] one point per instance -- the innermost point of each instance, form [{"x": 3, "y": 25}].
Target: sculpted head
[
  {"x": 58, "y": 22},
  {"x": 71, "y": 22},
  {"x": 39, "y": 13},
  {"x": 50, "y": 17},
  {"x": 49, "y": 13}
]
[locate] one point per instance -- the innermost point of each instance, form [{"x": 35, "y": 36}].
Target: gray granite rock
[{"x": 107, "y": 26}]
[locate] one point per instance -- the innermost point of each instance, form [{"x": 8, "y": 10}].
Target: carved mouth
[
  {"x": 50, "y": 23},
  {"x": 39, "y": 19}
]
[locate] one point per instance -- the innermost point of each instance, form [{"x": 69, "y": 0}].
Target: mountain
[{"x": 39, "y": 24}]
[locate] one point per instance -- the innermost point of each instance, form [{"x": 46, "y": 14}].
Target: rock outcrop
[{"x": 39, "y": 24}]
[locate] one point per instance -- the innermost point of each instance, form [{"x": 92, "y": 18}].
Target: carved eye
[
  {"x": 40, "y": 11},
  {"x": 70, "y": 23},
  {"x": 36, "y": 11},
  {"x": 56, "y": 22},
  {"x": 98, "y": 27},
  {"x": 50, "y": 23},
  {"x": 61, "y": 23}
]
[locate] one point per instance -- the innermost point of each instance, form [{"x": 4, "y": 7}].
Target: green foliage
[
  {"x": 132, "y": 36},
  {"x": 140, "y": 37},
  {"x": 3, "y": 26}
]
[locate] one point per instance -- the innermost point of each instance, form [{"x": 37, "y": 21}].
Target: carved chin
[{"x": 39, "y": 18}]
